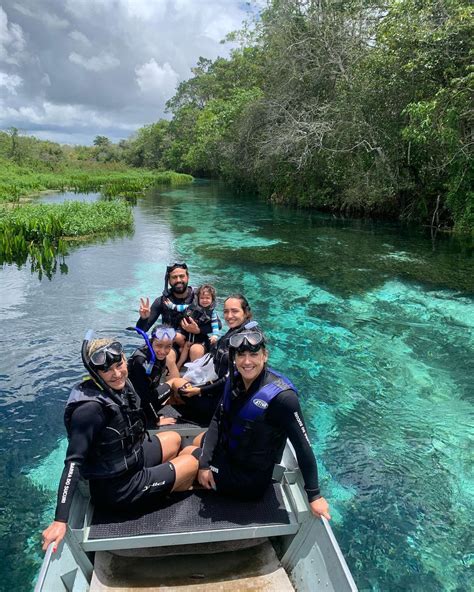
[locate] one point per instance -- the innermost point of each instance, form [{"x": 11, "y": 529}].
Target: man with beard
[{"x": 178, "y": 292}]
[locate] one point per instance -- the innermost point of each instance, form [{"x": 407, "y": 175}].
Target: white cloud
[
  {"x": 48, "y": 19},
  {"x": 48, "y": 113},
  {"x": 10, "y": 81},
  {"x": 155, "y": 79},
  {"x": 101, "y": 63},
  {"x": 145, "y": 9},
  {"x": 80, "y": 37},
  {"x": 12, "y": 41},
  {"x": 87, "y": 66}
]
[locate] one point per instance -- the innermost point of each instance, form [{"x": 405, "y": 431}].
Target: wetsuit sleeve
[
  {"x": 155, "y": 312},
  {"x": 214, "y": 389},
  {"x": 210, "y": 442},
  {"x": 215, "y": 324},
  {"x": 178, "y": 307},
  {"x": 161, "y": 393},
  {"x": 285, "y": 412},
  {"x": 87, "y": 421}
]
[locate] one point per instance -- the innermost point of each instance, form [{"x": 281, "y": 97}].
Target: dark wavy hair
[
  {"x": 206, "y": 288},
  {"x": 244, "y": 303}
]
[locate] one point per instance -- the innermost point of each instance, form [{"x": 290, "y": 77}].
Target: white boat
[{"x": 199, "y": 541}]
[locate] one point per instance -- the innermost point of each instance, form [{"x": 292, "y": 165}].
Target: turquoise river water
[{"x": 373, "y": 323}]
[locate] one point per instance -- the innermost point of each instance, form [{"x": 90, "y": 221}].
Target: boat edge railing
[{"x": 44, "y": 568}]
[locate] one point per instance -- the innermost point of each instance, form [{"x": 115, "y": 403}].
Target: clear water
[{"x": 373, "y": 323}]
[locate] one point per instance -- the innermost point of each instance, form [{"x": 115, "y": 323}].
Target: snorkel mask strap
[
  {"x": 149, "y": 365},
  {"x": 93, "y": 373},
  {"x": 247, "y": 327}
]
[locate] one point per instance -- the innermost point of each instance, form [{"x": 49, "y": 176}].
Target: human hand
[
  {"x": 177, "y": 383},
  {"x": 190, "y": 325},
  {"x": 213, "y": 339},
  {"x": 163, "y": 421},
  {"x": 145, "y": 308},
  {"x": 55, "y": 533},
  {"x": 206, "y": 479},
  {"x": 188, "y": 390},
  {"x": 319, "y": 508}
]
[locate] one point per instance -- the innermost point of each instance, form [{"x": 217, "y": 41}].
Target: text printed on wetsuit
[
  {"x": 301, "y": 424},
  {"x": 68, "y": 482},
  {"x": 155, "y": 484}
]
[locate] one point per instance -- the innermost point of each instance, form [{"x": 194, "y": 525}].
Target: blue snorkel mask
[{"x": 161, "y": 332}]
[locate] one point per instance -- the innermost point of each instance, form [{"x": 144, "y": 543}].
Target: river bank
[
  {"x": 112, "y": 180},
  {"x": 39, "y": 231}
]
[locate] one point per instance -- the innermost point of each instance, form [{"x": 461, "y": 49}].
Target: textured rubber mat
[
  {"x": 169, "y": 411},
  {"x": 198, "y": 510}
]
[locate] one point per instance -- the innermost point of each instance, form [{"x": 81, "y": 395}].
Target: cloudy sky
[{"x": 74, "y": 69}]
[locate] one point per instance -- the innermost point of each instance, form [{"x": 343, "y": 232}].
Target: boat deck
[
  {"x": 254, "y": 569},
  {"x": 196, "y": 516}
]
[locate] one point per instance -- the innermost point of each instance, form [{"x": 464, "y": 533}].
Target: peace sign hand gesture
[{"x": 145, "y": 308}]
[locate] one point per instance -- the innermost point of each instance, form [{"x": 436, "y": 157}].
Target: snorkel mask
[
  {"x": 249, "y": 338},
  {"x": 106, "y": 356},
  {"x": 102, "y": 359},
  {"x": 160, "y": 333},
  {"x": 171, "y": 268}
]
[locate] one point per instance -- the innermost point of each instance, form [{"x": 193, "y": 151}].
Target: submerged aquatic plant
[{"x": 38, "y": 231}]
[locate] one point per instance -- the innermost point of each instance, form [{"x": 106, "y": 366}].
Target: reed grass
[
  {"x": 17, "y": 181},
  {"x": 38, "y": 231}
]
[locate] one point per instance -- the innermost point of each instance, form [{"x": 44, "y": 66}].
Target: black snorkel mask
[
  {"x": 160, "y": 332},
  {"x": 249, "y": 338},
  {"x": 171, "y": 268},
  {"x": 101, "y": 359}
]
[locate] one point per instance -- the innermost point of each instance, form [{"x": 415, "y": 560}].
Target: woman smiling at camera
[
  {"x": 107, "y": 442},
  {"x": 247, "y": 435}
]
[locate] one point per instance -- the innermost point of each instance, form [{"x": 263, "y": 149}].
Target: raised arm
[{"x": 149, "y": 314}]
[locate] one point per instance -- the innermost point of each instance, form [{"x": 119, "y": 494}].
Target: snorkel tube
[
  {"x": 149, "y": 365},
  {"x": 90, "y": 369}
]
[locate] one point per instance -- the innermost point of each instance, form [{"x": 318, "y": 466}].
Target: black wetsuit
[
  {"x": 148, "y": 386},
  {"x": 87, "y": 424},
  {"x": 169, "y": 316},
  {"x": 283, "y": 419},
  {"x": 201, "y": 408}
]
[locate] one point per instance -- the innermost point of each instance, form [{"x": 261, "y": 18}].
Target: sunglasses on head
[
  {"x": 163, "y": 333},
  {"x": 171, "y": 268},
  {"x": 106, "y": 356},
  {"x": 247, "y": 340}
]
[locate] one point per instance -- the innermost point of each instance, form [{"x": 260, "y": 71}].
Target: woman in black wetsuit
[
  {"x": 246, "y": 438},
  {"x": 200, "y": 402},
  {"x": 107, "y": 443}
]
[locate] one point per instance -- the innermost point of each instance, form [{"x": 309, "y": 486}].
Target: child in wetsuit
[{"x": 204, "y": 314}]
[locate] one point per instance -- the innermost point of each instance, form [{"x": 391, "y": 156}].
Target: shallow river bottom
[{"x": 372, "y": 325}]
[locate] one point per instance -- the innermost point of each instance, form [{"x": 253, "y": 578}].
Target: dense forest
[{"x": 358, "y": 107}]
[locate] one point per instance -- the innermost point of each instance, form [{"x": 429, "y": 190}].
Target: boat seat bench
[{"x": 191, "y": 517}]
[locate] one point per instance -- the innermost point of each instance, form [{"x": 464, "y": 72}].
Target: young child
[{"x": 202, "y": 315}]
